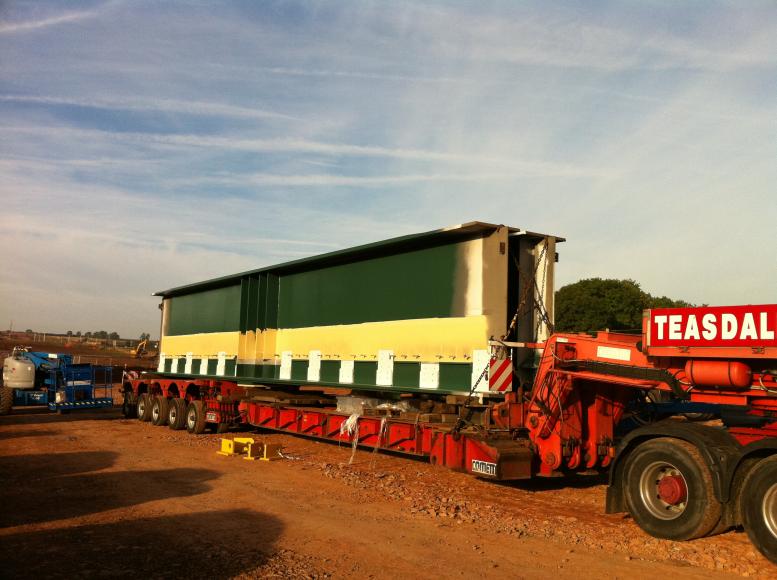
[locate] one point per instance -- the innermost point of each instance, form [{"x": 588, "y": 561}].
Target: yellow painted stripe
[
  {"x": 200, "y": 345},
  {"x": 427, "y": 340},
  {"x": 420, "y": 340}
]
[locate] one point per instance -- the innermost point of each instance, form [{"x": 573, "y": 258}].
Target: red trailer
[{"x": 683, "y": 417}]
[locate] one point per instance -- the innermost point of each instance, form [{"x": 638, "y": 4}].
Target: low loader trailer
[{"x": 683, "y": 417}]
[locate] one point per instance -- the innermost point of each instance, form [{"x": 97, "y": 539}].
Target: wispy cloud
[
  {"x": 517, "y": 167},
  {"x": 164, "y": 105},
  {"x": 12, "y": 27}
]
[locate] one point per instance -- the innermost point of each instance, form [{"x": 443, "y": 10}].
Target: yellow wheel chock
[{"x": 250, "y": 449}]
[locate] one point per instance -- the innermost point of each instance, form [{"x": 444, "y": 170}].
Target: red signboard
[{"x": 751, "y": 326}]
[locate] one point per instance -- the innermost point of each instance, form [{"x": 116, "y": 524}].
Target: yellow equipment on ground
[{"x": 250, "y": 449}]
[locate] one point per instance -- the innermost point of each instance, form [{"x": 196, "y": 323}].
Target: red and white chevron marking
[{"x": 500, "y": 374}]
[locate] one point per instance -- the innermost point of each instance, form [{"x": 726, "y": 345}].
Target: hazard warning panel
[{"x": 500, "y": 374}]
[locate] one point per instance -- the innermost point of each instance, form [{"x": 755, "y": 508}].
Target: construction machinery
[
  {"x": 140, "y": 350},
  {"x": 54, "y": 380},
  {"x": 478, "y": 381}
]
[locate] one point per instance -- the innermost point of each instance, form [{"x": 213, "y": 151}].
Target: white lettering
[
  {"x": 729, "y": 324},
  {"x": 766, "y": 334},
  {"x": 692, "y": 328},
  {"x": 660, "y": 322},
  {"x": 484, "y": 467},
  {"x": 710, "y": 330},
  {"x": 748, "y": 327},
  {"x": 675, "y": 326}
]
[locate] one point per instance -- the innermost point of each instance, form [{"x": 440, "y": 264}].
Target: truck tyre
[
  {"x": 129, "y": 407},
  {"x": 144, "y": 407},
  {"x": 159, "y": 411},
  {"x": 195, "y": 417},
  {"x": 6, "y": 400},
  {"x": 669, "y": 491},
  {"x": 759, "y": 507},
  {"x": 176, "y": 413}
]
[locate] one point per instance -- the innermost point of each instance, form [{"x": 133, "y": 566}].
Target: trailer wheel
[
  {"x": 144, "y": 407},
  {"x": 195, "y": 417},
  {"x": 759, "y": 507},
  {"x": 6, "y": 400},
  {"x": 669, "y": 492},
  {"x": 129, "y": 407},
  {"x": 176, "y": 413},
  {"x": 159, "y": 411}
]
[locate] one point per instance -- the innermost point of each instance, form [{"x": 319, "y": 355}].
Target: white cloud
[{"x": 13, "y": 27}]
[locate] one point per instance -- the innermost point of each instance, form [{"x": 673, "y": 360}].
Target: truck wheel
[
  {"x": 144, "y": 407},
  {"x": 669, "y": 492},
  {"x": 159, "y": 411},
  {"x": 195, "y": 417},
  {"x": 176, "y": 413},
  {"x": 759, "y": 507},
  {"x": 6, "y": 400},
  {"x": 129, "y": 407}
]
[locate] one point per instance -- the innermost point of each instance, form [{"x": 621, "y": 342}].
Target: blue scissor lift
[
  {"x": 63, "y": 385},
  {"x": 74, "y": 386}
]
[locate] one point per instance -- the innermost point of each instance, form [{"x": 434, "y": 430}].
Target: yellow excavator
[{"x": 141, "y": 349}]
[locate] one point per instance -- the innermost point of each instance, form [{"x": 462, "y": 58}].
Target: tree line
[
  {"x": 96, "y": 334},
  {"x": 598, "y": 304}
]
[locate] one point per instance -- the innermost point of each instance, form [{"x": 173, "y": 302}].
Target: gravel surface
[{"x": 95, "y": 495}]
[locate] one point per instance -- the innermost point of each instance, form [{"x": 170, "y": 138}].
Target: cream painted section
[
  {"x": 481, "y": 280},
  {"x": 286, "y": 357},
  {"x": 494, "y": 272},
  {"x": 187, "y": 369},
  {"x": 480, "y": 359},
  {"x": 546, "y": 279},
  {"x": 314, "y": 365},
  {"x": 174, "y": 366},
  {"x": 161, "y": 367},
  {"x": 430, "y": 376},
  {"x": 204, "y": 366},
  {"x": 221, "y": 364},
  {"x": 346, "y": 371},
  {"x": 206, "y": 344},
  {"x": 385, "y": 373},
  {"x": 471, "y": 255}
]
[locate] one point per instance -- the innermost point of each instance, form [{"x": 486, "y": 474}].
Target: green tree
[{"x": 598, "y": 304}]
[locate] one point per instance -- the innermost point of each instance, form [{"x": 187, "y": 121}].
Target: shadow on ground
[
  {"x": 574, "y": 481},
  {"x": 208, "y": 544},
  {"x": 19, "y": 433},
  {"x": 46, "y": 487},
  {"x": 42, "y": 415}
]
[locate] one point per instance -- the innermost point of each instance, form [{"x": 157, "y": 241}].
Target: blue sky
[{"x": 145, "y": 145}]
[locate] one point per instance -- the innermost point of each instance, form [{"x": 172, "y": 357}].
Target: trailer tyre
[
  {"x": 6, "y": 400},
  {"x": 159, "y": 411},
  {"x": 759, "y": 507},
  {"x": 669, "y": 491},
  {"x": 129, "y": 407},
  {"x": 195, "y": 417},
  {"x": 176, "y": 413},
  {"x": 144, "y": 407}
]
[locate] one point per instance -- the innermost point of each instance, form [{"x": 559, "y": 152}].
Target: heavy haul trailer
[{"x": 608, "y": 401}]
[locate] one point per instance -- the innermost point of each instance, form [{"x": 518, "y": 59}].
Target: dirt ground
[{"x": 94, "y": 495}]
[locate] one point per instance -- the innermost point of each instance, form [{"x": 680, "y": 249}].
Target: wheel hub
[
  {"x": 672, "y": 489},
  {"x": 663, "y": 490},
  {"x": 769, "y": 509}
]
